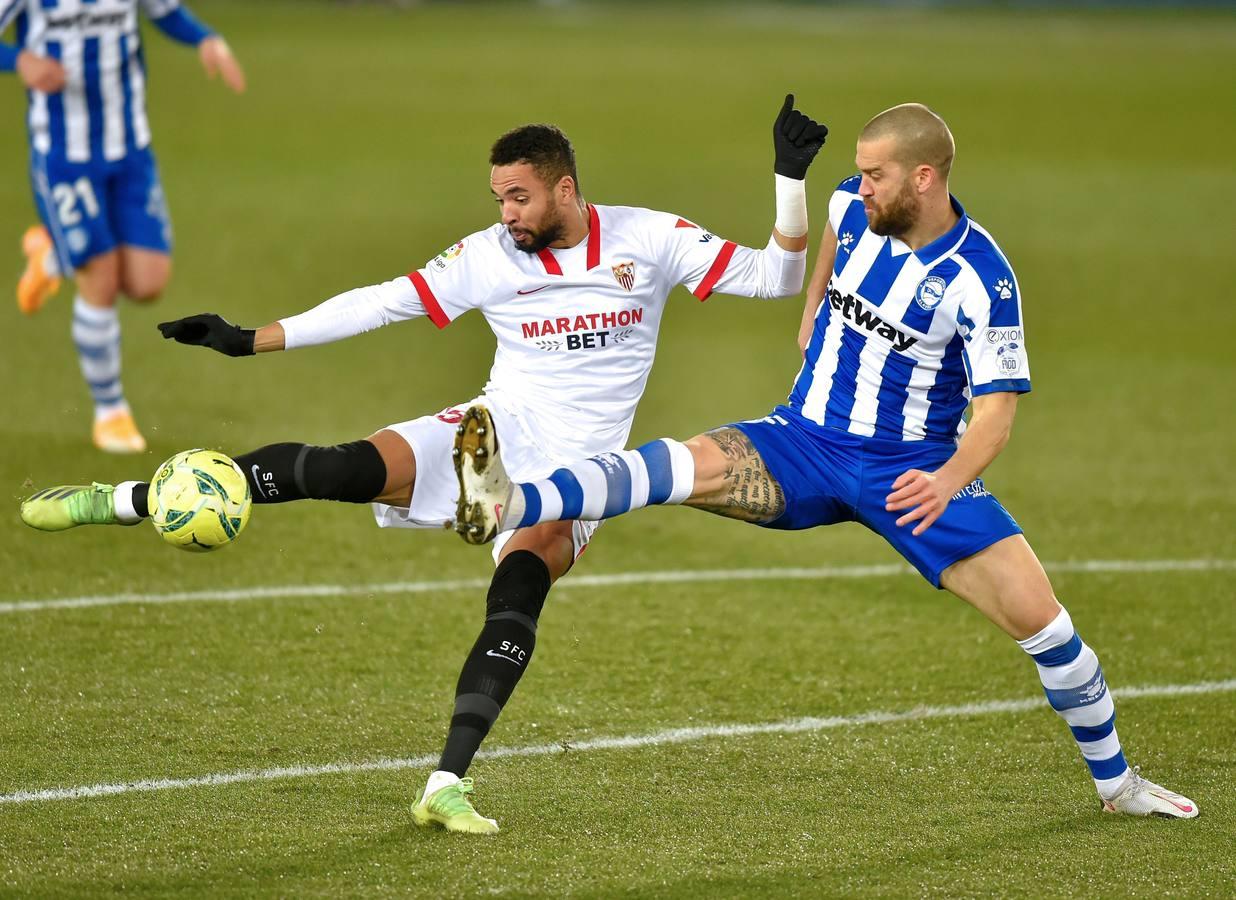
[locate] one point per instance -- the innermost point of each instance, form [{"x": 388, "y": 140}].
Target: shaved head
[{"x": 920, "y": 137}]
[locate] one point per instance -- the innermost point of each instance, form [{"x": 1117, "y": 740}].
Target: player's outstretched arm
[
  {"x": 927, "y": 494},
  {"x": 344, "y": 315},
  {"x": 174, "y": 20}
]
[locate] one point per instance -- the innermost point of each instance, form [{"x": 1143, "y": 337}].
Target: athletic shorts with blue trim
[
  {"x": 828, "y": 475},
  {"x": 91, "y": 208}
]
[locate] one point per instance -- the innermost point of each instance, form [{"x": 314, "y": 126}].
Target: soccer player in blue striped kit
[
  {"x": 912, "y": 314},
  {"x": 96, "y": 183}
]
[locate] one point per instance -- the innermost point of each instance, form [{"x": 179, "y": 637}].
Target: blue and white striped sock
[
  {"x": 662, "y": 472},
  {"x": 1075, "y": 688},
  {"x": 96, "y": 334}
]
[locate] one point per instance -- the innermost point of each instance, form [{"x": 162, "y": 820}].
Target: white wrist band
[{"x": 791, "y": 206}]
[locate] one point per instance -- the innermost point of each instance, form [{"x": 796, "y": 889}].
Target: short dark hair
[{"x": 544, "y": 147}]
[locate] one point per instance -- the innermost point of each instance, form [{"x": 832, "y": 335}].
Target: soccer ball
[{"x": 199, "y": 500}]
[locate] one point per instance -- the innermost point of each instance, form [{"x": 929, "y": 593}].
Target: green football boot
[
  {"x": 450, "y": 807},
  {"x": 70, "y": 505}
]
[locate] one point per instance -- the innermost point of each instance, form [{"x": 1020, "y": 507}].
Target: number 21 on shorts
[{"x": 72, "y": 198}]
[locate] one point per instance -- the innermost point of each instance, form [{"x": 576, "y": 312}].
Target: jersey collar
[
  {"x": 550, "y": 262},
  {"x": 942, "y": 246}
]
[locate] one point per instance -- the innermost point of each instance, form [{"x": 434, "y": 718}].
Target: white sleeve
[
  {"x": 704, "y": 263},
  {"x": 354, "y": 312},
  {"x": 769, "y": 273}
]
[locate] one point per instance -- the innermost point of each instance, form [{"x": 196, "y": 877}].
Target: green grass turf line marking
[
  {"x": 615, "y": 579},
  {"x": 624, "y": 742}
]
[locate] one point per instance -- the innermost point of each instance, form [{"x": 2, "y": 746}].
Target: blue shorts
[
  {"x": 830, "y": 476},
  {"x": 91, "y": 208}
]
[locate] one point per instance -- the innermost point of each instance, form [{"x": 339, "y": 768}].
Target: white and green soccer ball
[{"x": 199, "y": 500}]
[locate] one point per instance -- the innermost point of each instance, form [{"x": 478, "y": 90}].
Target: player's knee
[
  {"x": 100, "y": 289},
  {"x": 519, "y": 587},
  {"x": 710, "y": 465},
  {"x": 98, "y": 284},
  {"x": 144, "y": 293},
  {"x": 145, "y": 287},
  {"x": 353, "y": 472},
  {"x": 1036, "y": 613}
]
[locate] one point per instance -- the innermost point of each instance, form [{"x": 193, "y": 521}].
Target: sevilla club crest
[{"x": 625, "y": 273}]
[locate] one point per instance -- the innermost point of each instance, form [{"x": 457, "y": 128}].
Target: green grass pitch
[{"x": 1098, "y": 150}]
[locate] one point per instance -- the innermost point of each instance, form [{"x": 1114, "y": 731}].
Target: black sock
[
  {"x": 278, "y": 473},
  {"x": 141, "y": 493},
  {"x": 499, "y": 656}
]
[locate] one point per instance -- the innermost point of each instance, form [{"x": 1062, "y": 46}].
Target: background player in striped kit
[
  {"x": 912, "y": 314},
  {"x": 96, "y": 183}
]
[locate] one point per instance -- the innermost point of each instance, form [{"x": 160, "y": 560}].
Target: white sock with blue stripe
[
  {"x": 662, "y": 472},
  {"x": 1075, "y": 688},
  {"x": 96, "y": 334}
]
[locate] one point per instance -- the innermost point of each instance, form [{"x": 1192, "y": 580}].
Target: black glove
[
  {"x": 796, "y": 139},
  {"x": 210, "y": 330}
]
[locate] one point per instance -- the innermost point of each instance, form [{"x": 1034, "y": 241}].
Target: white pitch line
[
  {"x": 613, "y": 579},
  {"x": 624, "y": 742}
]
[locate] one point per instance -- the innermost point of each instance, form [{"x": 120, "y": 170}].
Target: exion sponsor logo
[{"x": 1004, "y": 335}]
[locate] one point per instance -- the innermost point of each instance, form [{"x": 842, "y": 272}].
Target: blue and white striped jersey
[
  {"x": 903, "y": 339},
  {"x": 101, "y": 113}
]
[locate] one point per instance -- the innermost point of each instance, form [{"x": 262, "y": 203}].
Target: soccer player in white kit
[
  {"x": 574, "y": 293},
  {"x": 913, "y": 314}
]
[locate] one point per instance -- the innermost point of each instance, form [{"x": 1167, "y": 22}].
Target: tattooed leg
[{"x": 731, "y": 478}]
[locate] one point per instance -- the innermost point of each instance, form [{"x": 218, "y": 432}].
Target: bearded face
[
  {"x": 895, "y": 215},
  {"x": 533, "y": 237}
]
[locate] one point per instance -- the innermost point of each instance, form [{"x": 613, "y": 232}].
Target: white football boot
[
  {"x": 1139, "y": 797},
  {"x": 484, "y": 487}
]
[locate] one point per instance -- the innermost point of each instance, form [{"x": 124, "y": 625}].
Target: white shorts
[{"x": 435, "y": 492}]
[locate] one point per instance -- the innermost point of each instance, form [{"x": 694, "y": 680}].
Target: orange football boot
[
  {"x": 36, "y": 287},
  {"x": 118, "y": 433}
]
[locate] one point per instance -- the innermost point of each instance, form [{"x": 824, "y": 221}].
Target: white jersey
[
  {"x": 577, "y": 328},
  {"x": 903, "y": 339}
]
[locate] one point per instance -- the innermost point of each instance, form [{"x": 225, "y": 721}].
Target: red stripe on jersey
[
  {"x": 430, "y": 302},
  {"x": 594, "y": 237},
  {"x": 715, "y": 272},
  {"x": 549, "y": 262},
  {"x": 683, "y": 223}
]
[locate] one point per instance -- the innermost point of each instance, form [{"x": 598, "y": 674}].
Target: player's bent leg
[
  {"x": 144, "y": 273},
  {"x": 399, "y": 461},
  {"x": 731, "y": 478},
  {"x": 601, "y": 487},
  {"x": 530, "y": 562},
  {"x": 1007, "y": 583},
  {"x": 96, "y": 335}
]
